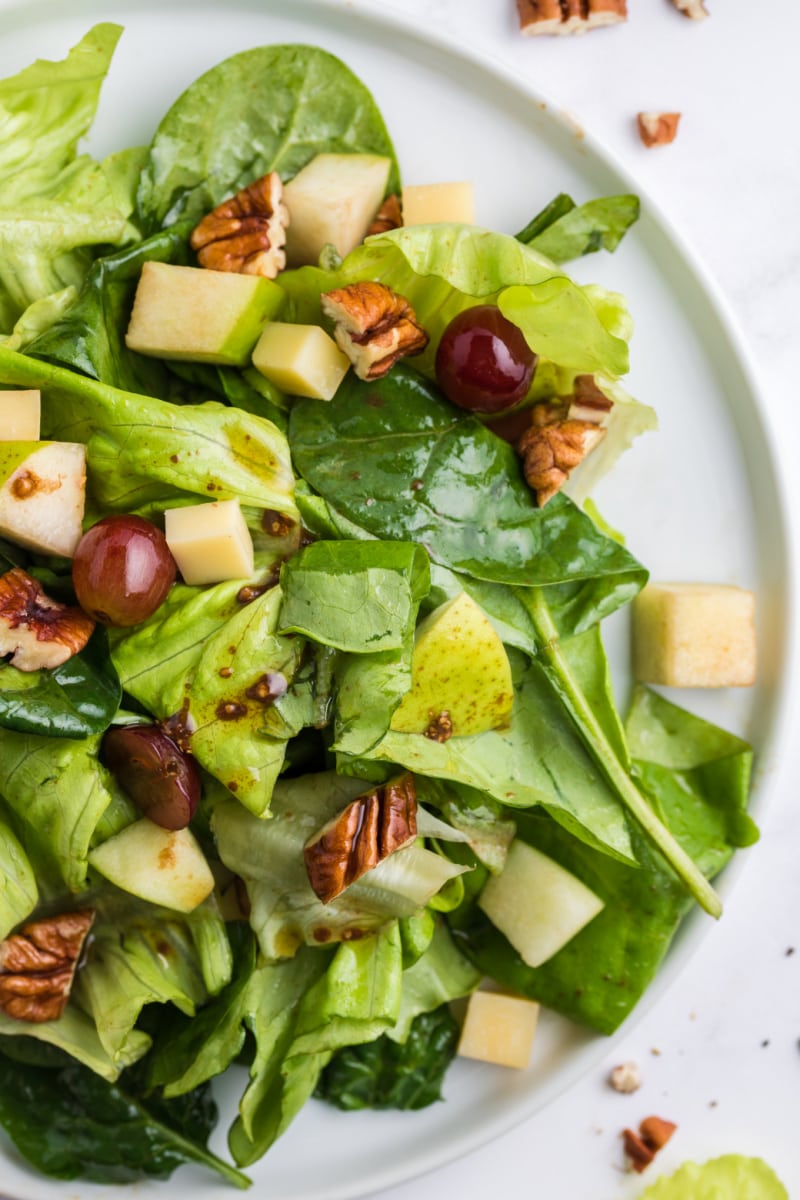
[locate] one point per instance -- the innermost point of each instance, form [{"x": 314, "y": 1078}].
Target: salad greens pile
[{"x": 347, "y": 1000}]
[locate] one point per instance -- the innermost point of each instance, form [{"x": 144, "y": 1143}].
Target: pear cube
[
  {"x": 191, "y": 314},
  {"x": 694, "y": 635},
  {"x": 461, "y": 676},
  {"x": 164, "y": 866},
  {"x": 537, "y": 904},
  {"x": 42, "y": 495},
  {"x": 332, "y": 201},
  {"x": 499, "y": 1029}
]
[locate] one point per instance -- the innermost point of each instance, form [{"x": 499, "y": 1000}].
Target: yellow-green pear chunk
[
  {"x": 187, "y": 313},
  {"x": 164, "y": 866},
  {"x": 332, "y": 201},
  {"x": 461, "y": 676},
  {"x": 537, "y": 904},
  {"x": 42, "y": 495}
]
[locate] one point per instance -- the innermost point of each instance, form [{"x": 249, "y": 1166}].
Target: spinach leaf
[
  {"x": 389, "y": 1074},
  {"x": 563, "y": 231},
  {"x": 599, "y": 976},
  {"x": 394, "y": 457},
  {"x": 268, "y": 109},
  {"x": 360, "y": 597},
  {"x": 100, "y": 1131},
  {"x": 72, "y": 701},
  {"x": 89, "y": 337}
]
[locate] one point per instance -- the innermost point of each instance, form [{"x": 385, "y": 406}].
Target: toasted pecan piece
[
  {"x": 247, "y": 233},
  {"x": 38, "y": 964},
  {"x": 374, "y": 326},
  {"x": 36, "y": 631},
  {"x": 568, "y": 16},
  {"x": 657, "y": 128},
  {"x": 362, "y": 835},
  {"x": 389, "y": 216}
]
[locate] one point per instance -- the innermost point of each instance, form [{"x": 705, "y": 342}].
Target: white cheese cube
[
  {"x": 332, "y": 201},
  {"x": 432, "y": 203},
  {"x": 20, "y": 416},
  {"x": 537, "y": 904},
  {"x": 209, "y": 542},
  {"x": 301, "y": 360},
  {"x": 499, "y": 1029},
  {"x": 698, "y": 635}
]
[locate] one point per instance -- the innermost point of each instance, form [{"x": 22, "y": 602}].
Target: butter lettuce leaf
[
  {"x": 731, "y": 1177},
  {"x": 18, "y": 891}
]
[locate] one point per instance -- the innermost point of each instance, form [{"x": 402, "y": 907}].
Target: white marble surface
[{"x": 719, "y": 1052}]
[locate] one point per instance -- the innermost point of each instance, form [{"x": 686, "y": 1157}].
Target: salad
[{"x": 285, "y": 818}]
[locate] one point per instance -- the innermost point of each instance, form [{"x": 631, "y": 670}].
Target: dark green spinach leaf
[
  {"x": 389, "y": 1074},
  {"x": 563, "y": 231},
  {"x": 268, "y": 109},
  {"x": 72, "y": 1124},
  {"x": 395, "y": 458}
]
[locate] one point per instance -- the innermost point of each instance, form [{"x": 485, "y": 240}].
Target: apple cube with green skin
[
  {"x": 164, "y": 866},
  {"x": 42, "y": 495},
  {"x": 536, "y": 904},
  {"x": 460, "y": 671},
  {"x": 195, "y": 315},
  {"x": 332, "y": 201}
]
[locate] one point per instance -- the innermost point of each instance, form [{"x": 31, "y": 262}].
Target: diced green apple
[
  {"x": 460, "y": 673},
  {"x": 42, "y": 495},
  {"x": 332, "y": 201},
  {"x": 164, "y": 866},
  {"x": 536, "y": 904},
  {"x": 191, "y": 314}
]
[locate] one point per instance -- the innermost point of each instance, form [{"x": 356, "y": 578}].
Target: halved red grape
[
  {"x": 154, "y": 772},
  {"x": 122, "y": 570},
  {"x": 483, "y": 362}
]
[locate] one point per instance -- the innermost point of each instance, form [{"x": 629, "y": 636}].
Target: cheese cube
[
  {"x": 20, "y": 416},
  {"x": 301, "y": 360},
  {"x": 210, "y": 542},
  {"x": 431, "y": 203},
  {"x": 499, "y": 1029},
  {"x": 698, "y": 635}
]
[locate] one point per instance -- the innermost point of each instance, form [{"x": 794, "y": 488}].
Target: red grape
[
  {"x": 154, "y": 772},
  {"x": 483, "y": 362},
  {"x": 122, "y": 570}
]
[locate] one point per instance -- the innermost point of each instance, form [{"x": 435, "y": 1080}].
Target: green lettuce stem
[{"x": 614, "y": 771}]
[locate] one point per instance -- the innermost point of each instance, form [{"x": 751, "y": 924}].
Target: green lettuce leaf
[
  {"x": 56, "y": 206},
  {"x": 731, "y": 1177},
  {"x": 146, "y": 455},
  {"x": 18, "y": 891},
  {"x": 360, "y": 597},
  {"x": 268, "y": 109},
  {"x": 75, "y": 1034}
]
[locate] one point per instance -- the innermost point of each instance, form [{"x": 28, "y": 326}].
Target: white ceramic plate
[{"x": 699, "y": 500}]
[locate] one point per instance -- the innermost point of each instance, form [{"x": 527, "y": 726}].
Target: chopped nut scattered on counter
[
  {"x": 642, "y": 1147},
  {"x": 694, "y": 9},
  {"x": 246, "y": 234},
  {"x": 568, "y": 16},
  {"x": 626, "y": 1078},
  {"x": 658, "y": 129}
]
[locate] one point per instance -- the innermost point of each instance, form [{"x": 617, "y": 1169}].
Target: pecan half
[
  {"x": 373, "y": 326},
  {"x": 371, "y": 828},
  {"x": 569, "y": 16},
  {"x": 642, "y": 1147},
  {"x": 550, "y": 452},
  {"x": 36, "y": 631},
  {"x": 588, "y": 402},
  {"x": 388, "y": 216},
  {"x": 37, "y": 965},
  {"x": 657, "y": 129},
  {"x": 246, "y": 234}
]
